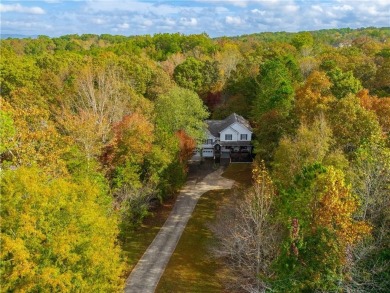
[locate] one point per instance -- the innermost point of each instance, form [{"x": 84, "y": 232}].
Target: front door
[{"x": 217, "y": 150}]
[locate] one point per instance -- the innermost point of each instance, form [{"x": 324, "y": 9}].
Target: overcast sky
[{"x": 216, "y": 18}]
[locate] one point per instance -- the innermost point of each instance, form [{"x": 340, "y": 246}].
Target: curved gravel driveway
[{"x": 149, "y": 269}]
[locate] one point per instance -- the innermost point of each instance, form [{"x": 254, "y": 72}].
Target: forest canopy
[{"x": 93, "y": 127}]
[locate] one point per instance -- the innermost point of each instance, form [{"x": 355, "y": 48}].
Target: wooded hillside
[{"x": 95, "y": 126}]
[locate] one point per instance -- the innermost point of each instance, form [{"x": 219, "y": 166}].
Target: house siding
[
  {"x": 231, "y": 131},
  {"x": 241, "y": 130},
  {"x": 221, "y": 128},
  {"x": 209, "y": 137}
]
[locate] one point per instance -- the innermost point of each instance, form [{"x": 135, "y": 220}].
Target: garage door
[{"x": 208, "y": 153}]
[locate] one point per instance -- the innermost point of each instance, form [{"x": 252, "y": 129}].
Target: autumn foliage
[
  {"x": 186, "y": 144},
  {"x": 319, "y": 213},
  {"x": 381, "y": 107},
  {"x": 53, "y": 228},
  {"x": 95, "y": 127}
]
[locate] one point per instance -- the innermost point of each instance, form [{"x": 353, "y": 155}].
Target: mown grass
[
  {"x": 191, "y": 267},
  {"x": 240, "y": 172},
  {"x": 135, "y": 241}
]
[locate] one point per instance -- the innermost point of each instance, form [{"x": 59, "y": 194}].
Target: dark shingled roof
[{"x": 216, "y": 126}]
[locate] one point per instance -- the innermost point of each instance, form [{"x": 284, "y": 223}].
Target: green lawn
[{"x": 191, "y": 267}]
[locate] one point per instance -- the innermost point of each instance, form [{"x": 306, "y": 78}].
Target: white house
[{"x": 233, "y": 134}]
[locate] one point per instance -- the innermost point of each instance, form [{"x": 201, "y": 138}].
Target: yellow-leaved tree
[
  {"x": 57, "y": 235},
  {"x": 318, "y": 212}
]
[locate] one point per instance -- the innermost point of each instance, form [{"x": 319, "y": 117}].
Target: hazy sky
[{"x": 217, "y": 18}]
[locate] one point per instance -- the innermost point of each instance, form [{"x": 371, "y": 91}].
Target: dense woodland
[{"x": 95, "y": 126}]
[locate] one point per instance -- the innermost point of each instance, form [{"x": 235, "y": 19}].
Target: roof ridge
[{"x": 216, "y": 126}]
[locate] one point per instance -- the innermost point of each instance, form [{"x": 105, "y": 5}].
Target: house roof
[{"x": 216, "y": 126}]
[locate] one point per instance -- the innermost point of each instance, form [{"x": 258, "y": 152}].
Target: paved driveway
[{"x": 147, "y": 273}]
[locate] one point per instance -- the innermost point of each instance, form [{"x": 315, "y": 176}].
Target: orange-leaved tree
[
  {"x": 319, "y": 215},
  {"x": 381, "y": 107},
  {"x": 187, "y": 145},
  {"x": 125, "y": 155}
]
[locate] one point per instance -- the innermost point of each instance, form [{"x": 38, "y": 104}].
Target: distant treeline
[{"x": 95, "y": 126}]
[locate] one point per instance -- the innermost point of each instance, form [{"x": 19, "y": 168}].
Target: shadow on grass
[
  {"x": 135, "y": 241},
  {"x": 240, "y": 172},
  {"x": 192, "y": 267}
]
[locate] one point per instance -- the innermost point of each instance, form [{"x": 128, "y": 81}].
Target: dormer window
[
  {"x": 244, "y": 137},
  {"x": 228, "y": 137}
]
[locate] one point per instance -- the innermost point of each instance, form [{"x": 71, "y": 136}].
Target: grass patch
[
  {"x": 191, "y": 267},
  {"x": 135, "y": 241},
  {"x": 240, "y": 172}
]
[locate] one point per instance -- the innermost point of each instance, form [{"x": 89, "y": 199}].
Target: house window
[
  {"x": 244, "y": 136},
  {"x": 228, "y": 137},
  {"x": 209, "y": 141}
]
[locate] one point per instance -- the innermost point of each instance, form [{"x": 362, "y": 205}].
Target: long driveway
[{"x": 148, "y": 271}]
